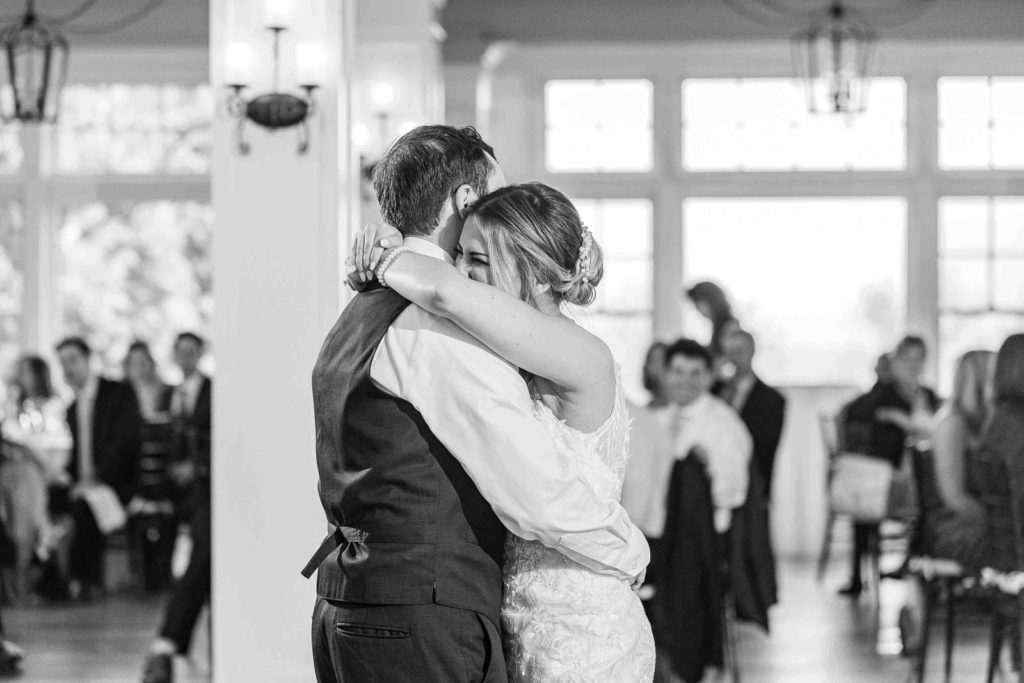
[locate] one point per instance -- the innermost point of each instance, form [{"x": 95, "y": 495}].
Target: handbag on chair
[{"x": 861, "y": 486}]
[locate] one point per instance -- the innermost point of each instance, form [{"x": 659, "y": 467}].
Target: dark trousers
[
  {"x": 358, "y": 643},
  {"x": 193, "y": 589},
  {"x": 863, "y": 537},
  {"x": 88, "y": 552}
]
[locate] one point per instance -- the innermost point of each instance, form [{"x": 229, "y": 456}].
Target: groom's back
[{"x": 385, "y": 478}]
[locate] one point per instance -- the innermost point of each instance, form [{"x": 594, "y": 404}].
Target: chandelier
[
  {"x": 834, "y": 57},
  {"x": 33, "y": 66}
]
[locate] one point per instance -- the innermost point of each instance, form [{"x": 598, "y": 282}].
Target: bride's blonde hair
[{"x": 534, "y": 236}]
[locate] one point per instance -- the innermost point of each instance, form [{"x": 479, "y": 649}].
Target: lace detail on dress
[{"x": 562, "y": 621}]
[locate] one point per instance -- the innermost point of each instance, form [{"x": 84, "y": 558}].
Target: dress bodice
[
  {"x": 565, "y": 623},
  {"x": 602, "y": 453}
]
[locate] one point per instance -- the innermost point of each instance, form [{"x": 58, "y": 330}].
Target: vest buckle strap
[{"x": 342, "y": 535}]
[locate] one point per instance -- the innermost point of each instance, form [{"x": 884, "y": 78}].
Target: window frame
[{"x": 513, "y": 108}]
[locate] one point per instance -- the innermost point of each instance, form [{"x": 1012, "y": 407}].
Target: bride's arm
[{"x": 545, "y": 345}]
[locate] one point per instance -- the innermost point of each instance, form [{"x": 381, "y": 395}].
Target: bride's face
[{"x": 473, "y": 260}]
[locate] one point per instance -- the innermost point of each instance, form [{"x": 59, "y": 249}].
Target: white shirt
[
  {"x": 85, "y": 399},
  {"x": 712, "y": 425},
  {"x": 644, "y": 487},
  {"x": 183, "y": 401},
  {"x": 479, "y": 407}
]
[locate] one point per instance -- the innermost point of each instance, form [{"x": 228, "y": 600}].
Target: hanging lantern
[
  {"x": 834, "y": 56},
  {"x": 33, "y": 68}
]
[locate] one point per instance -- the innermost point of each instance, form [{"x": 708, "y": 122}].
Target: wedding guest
[
  {"x": 762, "y": 408},
  {"x": 881, "y": 424},
  {"x": 140, "y": 370},
  {"x": 105, "y": 425},
  {"x": 654, "y": 374},
  {"x": 699, "y": 422},
  {"x": 151, "y": 524},
  {"x": 37, "y": 443},
  {"x": 11, "y": 654},
  {"x": 1001, "y": 459},
  {"x": 955, "y": 526},
  {"x": 191, "y": 408},
  {"x": 712, "y": 303}
]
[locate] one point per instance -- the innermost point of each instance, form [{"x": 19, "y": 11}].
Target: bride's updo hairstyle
[{"x": 534, "y": 235}]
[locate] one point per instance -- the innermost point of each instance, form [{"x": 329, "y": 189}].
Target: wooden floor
[
  {"x": 817, "y": 637},
  {"x": 103, "y": 641}
]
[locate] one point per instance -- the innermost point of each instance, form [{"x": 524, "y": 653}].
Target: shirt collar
[
  {"x": 418, "y": 245},
  {"x": 88, "y": 392}
]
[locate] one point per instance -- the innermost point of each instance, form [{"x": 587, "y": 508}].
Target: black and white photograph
[{"x": 512, "y": 341}]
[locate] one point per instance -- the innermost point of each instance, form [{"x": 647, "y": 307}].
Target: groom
[{"x": 428, "y": 450}]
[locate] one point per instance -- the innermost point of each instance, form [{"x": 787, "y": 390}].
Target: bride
[{"x": 525, "y": 253}]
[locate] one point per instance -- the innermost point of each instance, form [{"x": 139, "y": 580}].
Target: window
[
  {"x": 621, "y": 315},
  {"x": 134, "y": 129},
  {"x": 981, "y": 275},
  {"x": 11, "y": 281},
  {"x": 820, "y": 282},
  {"x": 598, "y": 126},
  {"x": 762, "y": 124},
  {"x": 136, "y": 271},
  {"x": 981, "y": 123}
]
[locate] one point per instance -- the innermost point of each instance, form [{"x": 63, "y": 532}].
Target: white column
[{"x": 280, "y": 218}]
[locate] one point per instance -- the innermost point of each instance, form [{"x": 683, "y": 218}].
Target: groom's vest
[{"x": 411, "y": 526}]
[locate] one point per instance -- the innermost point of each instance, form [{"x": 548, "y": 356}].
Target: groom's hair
[{"x": 422, "y": 169}]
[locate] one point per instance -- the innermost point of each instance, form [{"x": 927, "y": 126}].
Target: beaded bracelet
[{"x": 389, "y": 259}]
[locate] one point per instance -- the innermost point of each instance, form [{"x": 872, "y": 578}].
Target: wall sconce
[{"x": 275, "y": 109}]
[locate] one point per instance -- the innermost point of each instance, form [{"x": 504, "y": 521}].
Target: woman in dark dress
[
  {"x": 1001, "y": 458},
  {"x": 955, "y": 518}
]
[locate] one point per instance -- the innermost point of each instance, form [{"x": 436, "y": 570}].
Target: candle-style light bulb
[
  {"x": 278, "y": 13},
  {"x": 240, "y": 64},
  {"x": 310, "y": 63}
]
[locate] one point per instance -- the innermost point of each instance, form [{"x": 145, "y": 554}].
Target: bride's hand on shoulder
[{"x": 369, "y": 245}]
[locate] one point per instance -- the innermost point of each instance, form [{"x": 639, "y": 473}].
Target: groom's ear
[{"x": 464, "y": 197}]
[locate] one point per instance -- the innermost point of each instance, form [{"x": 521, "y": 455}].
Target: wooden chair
[
  {"x": 829, "y": 427},
  {"x": 940, "y": 577}
]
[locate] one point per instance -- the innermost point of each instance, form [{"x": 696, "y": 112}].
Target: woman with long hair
[
  {"x": 712, "y": 303},
  {"x": 1001, "y": 458},
  {"x": 955, "y": 517}
]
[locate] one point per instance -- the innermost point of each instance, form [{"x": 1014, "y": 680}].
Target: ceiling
[
  {"x": 172, "y": 23},
  {"x": 472, "y": 24}
]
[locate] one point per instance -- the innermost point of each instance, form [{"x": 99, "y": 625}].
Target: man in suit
[
  {"x": 105, "y": 430},
  {"x": 762, "y": 408},
  {"x": 427, "y": 450},
  {"x": 191, "y": 411}
]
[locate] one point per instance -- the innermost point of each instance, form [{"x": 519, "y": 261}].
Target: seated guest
[
  {"x": 1001, "y": 458},
  {"x": 762, "y": 408},
  {"x": 881, "y": 424},
  {"x": 654, "y": 374},
  {"x": 699, "y": 422},
  {"x": 105, "y": 426},
  {"x": 36, "y": 448},
  {"x": 955, "y": 519}
]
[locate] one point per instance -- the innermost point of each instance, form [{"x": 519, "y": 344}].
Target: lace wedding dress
[{"x": 562, "y": 621}]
